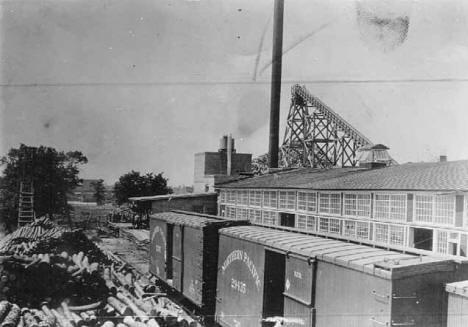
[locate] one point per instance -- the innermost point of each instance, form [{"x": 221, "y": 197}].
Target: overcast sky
[{"x": 144, "y": 84}]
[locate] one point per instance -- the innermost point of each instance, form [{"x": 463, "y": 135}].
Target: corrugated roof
[
  {"x": 435, "y": 176},
  {"x": 193, "y": 219},
  {"x": 171, "y": 196},
  {"x": 387, "y": 264}
]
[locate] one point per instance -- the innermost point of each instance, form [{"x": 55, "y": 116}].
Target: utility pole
[{"x": 276, "y": 82}]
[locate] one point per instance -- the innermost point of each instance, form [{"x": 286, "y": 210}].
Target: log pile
[
  {"x": 66, "y": 281},
  {"x": 27, "y": 236}
]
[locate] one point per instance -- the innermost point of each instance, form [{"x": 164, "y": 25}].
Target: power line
[{"x": 227, "y": 82}]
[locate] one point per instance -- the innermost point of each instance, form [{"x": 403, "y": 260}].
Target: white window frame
[
  {"x": 390, "y": 219},
  {"x": 260, "y": 193},
  {"x": 288, "y": 193},
  {"x": 222, "y": 196},
  {"x": 276, "y": 196},
  {"x": 319, "y": 202},
  {"x": 343, "y": 204},
  {"x": 275, "y": 213},
  {"x": 243, "y": 197},
  {"x": 306, "y": 194},
  {"x": 232, "y": 193},
  {"x": 433, "y": 210}
]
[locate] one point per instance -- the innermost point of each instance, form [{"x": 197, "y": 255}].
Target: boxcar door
[
  {"x": 177, "y": 257},
  {"x": 192, "y": 283},
  {"x": 299, "y": 291},
  {"x": 273, "y": 299},
  {"x": 158, "y": 248}
]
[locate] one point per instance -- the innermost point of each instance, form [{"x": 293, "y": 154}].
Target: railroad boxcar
[
  {"x": 457, "y": 304},
  {"x": 312, "y": 281},
  {"x": 184, "y": 253}
]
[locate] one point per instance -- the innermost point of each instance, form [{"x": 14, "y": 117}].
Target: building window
[
  {"x": 287, "y": 200},
  {"x": 324, "y": 225},
  {"x": 231, "y": 197},
  {"x": 307, "y": 201},
  {"x": 242, "y": 214},
  {"x": 349, "y": 228},
  {"x": 311, "y": 223},
  {"x": 255, "y": 216},
  {"x": 362, "y": 230},
  {"x": 301, "y": 222},
  {"x": 381, "y": 233},
  {"x": 421, "y": 238},
  {"x": 287, "y": 219},
  {"x": 397, "y": 235},
  {"x": 442, "y": 239},
  {"x": 330, "y": 203},
  {"x": 423, "y": 205},
  {"x": 243, "y": 197},
  {"x": 390, "y": 207},
  {"x": 357, "y": 205},
  {"x": 269, "y": 217},
  {"x": 270, "y": 199},
  {"x": 231, "y": 212},
  {"x": 444, "y": 209},
  {"x": 222, "y": 196},
  {"x": 335, "y": 226},
  {"x": 437, "y": 209},
  {"x": 255, "y": 199}
]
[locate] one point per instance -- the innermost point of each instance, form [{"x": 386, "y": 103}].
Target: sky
[{"x": 144, "y": 84}]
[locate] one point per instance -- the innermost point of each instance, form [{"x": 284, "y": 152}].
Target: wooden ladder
[{"x": 26, "y": 213}]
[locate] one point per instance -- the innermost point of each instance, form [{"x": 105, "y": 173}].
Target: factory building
[
  {"x": 195, "y": 202},
  {"x": 415, "y": 207},
  {"x": 212, "y": 168}
]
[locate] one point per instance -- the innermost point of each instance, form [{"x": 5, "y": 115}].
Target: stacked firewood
[
  {"x": 30, "y": 280},
  {"x": 139, "y": 301},
  {"x": 47, "y": 290},
  {"x": 27, "y": 236},
  {"x": 64, "y": 280}
]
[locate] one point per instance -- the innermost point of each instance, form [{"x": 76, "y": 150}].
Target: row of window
[
  {"x": 436, "y": 209},
  {"x": 440, "y": 241},
  {"x": 354, "y": 229}
]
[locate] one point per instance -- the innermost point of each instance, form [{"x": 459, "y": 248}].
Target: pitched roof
[
  {"x": 434, "y": 176},
  {"x": 194, "y": 219},
  {"x": 172, "y": 196}
]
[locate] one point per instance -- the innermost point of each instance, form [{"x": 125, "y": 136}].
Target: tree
[
  {"x": 133, "y": 184},
  {"x": 260, "y": 164},
  {"x": 99, "y": 191},
  {"x": 54, "y": 174}
]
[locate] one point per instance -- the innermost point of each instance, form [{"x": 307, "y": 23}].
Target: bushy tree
[
  {"x": 54, "y": 174},
  {"x": 99, "y": 191},
  {"x": 134, "y": 184}
]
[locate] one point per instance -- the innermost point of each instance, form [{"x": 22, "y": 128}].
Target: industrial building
[
  {"x": 418, "y": 207},
  {"x": 215, "y": 167}
]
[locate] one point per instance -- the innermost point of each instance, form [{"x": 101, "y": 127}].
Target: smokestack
[
  {"x": 276, "y": 82},
  {"x": 229, "y": 155}
]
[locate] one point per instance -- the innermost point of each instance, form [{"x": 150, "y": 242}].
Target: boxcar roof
[
  {"x": 387, "y": 264},
  {"x": 192, "y": 219},
  {"x": 460, "y": 288}
]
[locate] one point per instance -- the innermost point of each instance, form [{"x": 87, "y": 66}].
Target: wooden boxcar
[
  {"x": 312, "y": 281},
  {"x": 457, "y": 304},
  {"x": 184, "y": 253}
]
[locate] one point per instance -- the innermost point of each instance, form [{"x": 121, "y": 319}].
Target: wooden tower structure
[{"x": 317, "y": 136}]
